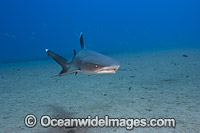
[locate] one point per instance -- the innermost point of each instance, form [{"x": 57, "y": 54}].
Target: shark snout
[{"x": 108, "y": 69}]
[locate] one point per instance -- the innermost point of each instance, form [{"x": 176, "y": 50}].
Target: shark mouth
[{"x": 108, "y": 69}]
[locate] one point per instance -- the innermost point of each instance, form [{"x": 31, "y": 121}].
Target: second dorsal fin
[{"x": 74, "y": 53}]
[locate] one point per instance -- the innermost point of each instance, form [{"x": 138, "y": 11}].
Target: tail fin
[{"x": 60, "y": 60}]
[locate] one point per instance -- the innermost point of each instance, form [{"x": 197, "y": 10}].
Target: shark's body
[{"x": 86, "y": 61}]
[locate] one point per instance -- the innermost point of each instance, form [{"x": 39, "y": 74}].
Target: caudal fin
[{"x": 60, "y": 60}]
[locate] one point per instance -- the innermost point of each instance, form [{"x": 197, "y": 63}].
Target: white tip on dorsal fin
[{"x": 46, "y": 50}]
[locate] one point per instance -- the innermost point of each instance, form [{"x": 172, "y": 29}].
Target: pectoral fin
[{"x": 68, "y": 72}]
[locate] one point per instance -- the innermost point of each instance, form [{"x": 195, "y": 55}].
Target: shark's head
[{"x": 100, "y": 65}]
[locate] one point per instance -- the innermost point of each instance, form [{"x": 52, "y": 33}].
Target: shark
[{"x": 86, "y": 61}]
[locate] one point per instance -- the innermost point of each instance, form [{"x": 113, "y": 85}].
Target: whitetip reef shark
[{"x": 85, "y": 61}]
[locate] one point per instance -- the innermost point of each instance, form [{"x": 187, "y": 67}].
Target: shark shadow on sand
[{"x": 60, "y": 112}]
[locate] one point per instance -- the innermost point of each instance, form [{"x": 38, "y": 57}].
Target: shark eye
[{"x": 96, "y": 65}]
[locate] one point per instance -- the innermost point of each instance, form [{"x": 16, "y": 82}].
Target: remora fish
[{"x": 86, "y": 61}]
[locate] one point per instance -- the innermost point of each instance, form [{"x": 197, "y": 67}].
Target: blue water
[{"x": 27, "y": 28}]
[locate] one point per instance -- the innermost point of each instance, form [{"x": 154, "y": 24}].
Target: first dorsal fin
[{"x": 82, "y": 41}]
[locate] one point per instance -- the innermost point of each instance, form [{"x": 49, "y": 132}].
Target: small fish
[
  {"x": 86, "y": 61},
  {"x": 32, "y": 36},
  {"x": 184, "y": 55},
  {"x": 45, "y": 24},
  {"x": 6, "y": 34},
  {"x": 13, "y": 36}
]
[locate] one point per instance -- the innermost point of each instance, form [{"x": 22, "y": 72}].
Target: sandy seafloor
[{"x": 164, "y": 84}]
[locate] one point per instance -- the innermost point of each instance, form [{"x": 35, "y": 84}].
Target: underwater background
[
  {"x": 27, "y": 28},
  {"x": 156, "y": 42}
]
